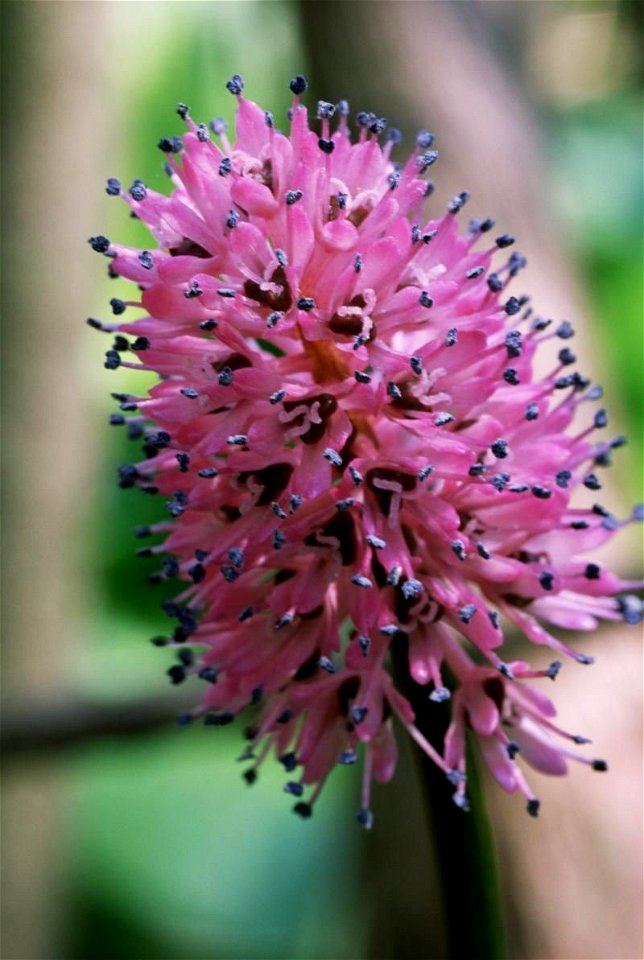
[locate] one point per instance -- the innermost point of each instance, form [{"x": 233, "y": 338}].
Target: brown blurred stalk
[{"x": 52, "y": 85}]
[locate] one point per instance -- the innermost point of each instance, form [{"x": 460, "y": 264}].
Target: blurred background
[{"x": 125, "y": 837}]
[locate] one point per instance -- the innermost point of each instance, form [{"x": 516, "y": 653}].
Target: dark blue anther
[
  {"x": 235, "y": 85},
  {"x": 138, "y": 190},
  {"x": 511, "y": 376},
  {"x": 505, "y": 240},
  {"x": 500, "y": 449}
]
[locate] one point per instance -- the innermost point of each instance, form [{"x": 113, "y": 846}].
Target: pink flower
[{"x": 355, "y": 450}]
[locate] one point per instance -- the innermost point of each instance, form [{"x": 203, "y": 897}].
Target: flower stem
[{"x": 463, "y": 843}]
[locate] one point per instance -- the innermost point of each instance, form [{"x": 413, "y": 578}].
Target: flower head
[{"x": 354, "y": 450}]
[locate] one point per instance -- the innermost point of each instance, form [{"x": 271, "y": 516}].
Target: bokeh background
[{"x": 125, "y": 837}]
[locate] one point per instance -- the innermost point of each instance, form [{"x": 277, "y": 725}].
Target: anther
[
  {"x": 546, "y": 579},
  {"x": 458, "y": 202},
  {"x": 361, "y": 581},
  {"x": 362, "y": 377},
  {"x": 494, "y": 283},
  {"x": 412, "y": 588},
  {"x": 364, "y": 643},
  {"x": 425, "y": 160},
  {"x": 600, "y": 419},
  {"x": 466, "y": 613},
  {"x": 505, "y": 240},
  {"x": 332, "y": 457},
  {"x": 532, "y": 411},
  {"x": 511, "y": 376},
  {"x": 394, "y": 575},
  {"x": 298, "y": 84},
  {"x": 326, "y": 664},
  {"x": 512, "y": 306},
  {"x": 451, "y": 337},
  {"x": 326, "y": 146},
  {"x": 358, "y": 714},
  {"x": 99, "y": 244},
  {"x": 474, "y": 273},
  {"x": 193, "y": 291},
  {"x": 296, "y": 789},
  {"x": 325, "y": 110},
  {"x": 306, "y": 304},
  {"x": 221, "y": 719},
  {"x": 631, "y": 608},
  {"x": 440, "y": 695},
  {"x": 565, "y": 330},
  {"x": 425, "y": 300},
  {"x": 443, "y": 418},
  {"x": 112, "y": 360},
  {"x": 138, "y": 190},
  {"x": 118, "y": 306},
  {"x": 458, "y": 547},
  {"x": 225, "y": 167},
  {"x": 356, "y": 476},
  {"x": 500, "y": 449},
  {"x": 541, "y": 493},
  {"x": 365, "y": 818},
  {"x": 273, "y": 318},
  {"x": 292, "y": 196},
  {"x": 375, "y": 542},
  {"x": 592, "y": 571},
  {"x": 113, "y": 187},
  {"x": 170, "y": 144},
  {"x": 209, "y": 324},
  {"x": 513, "y": 343},
  {"x": 584, "y": 659},
  {"x": 566, "y": 357},
  {"x": 235, "y": 85}
]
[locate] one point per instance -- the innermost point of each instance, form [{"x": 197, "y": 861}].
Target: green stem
[{"x": 462, "y": 841}]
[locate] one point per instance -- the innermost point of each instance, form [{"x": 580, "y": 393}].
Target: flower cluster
[{"x": 355, "y": 452}]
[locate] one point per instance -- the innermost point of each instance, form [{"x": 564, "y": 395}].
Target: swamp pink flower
[{"x": 355, "y": 451}]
